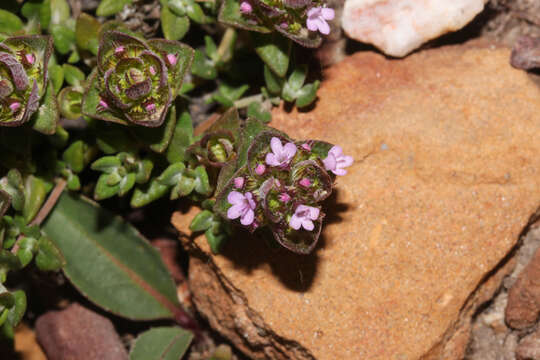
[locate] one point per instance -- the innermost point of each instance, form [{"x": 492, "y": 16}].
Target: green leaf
[
  {"x": 9, "y": 22},
  {"x": 70, "y": 102},
  {"x": 274, "y": 51},
  {"x": 27, "y": 248},
  {"x": 182, "y": 138},
  {"x": 104, "y": 189},
  {"x": 216, "y": 238},
  {"x": 110, "y": 262},
  {"x": 228, "y": 94},
  {"x": 35, "y": 191},
  {"x": 126, "y": 184},
  {"x": 60, "y": 11},
  {"x": 157, "y": 139},
  {"x": 8, "y": 262},
  {"x": 45, "y": 120},
  {"x": 74, "y": 156},
  {"x": 230, "y": 14},
  {"x": 161, "y": 343},
  {"x": 174, "y": 27},
  {"x": 194, "y": 11},
  {"x": 256, "y": 110},
  {"x": 106, "y": 164},
  {"x": 172, "y": 174},
  {"x": 177, "y": 7},
  {"x": 152, "y": 191},
  {"x": 87, "y": 33},
  {"x": 48, "y": 257},
  {"x": 203, "y": 67},
  {"x": 56, "y": 74},
  {"x": 12, "y": 184},
  {"x": 73, "y": 75},
  {"x": 111, "y": 7},
  {"x": 297, "y": 78},
  {"x": 273, "y": 82},
  {"x": 307, "y": 94},
  {"x": 15, "y": 314},
  {"x": 184, "y": 55},
  {"x": 7, "y": 300},
  {"x": 63, "y": 36},
  {"x": 202, "y": 183},
  {"x": 202, "y": 221},
  {"x": 210, "y": 47}
]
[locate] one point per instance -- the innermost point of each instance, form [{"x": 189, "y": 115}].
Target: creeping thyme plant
[{"x": 94, "y": 105}]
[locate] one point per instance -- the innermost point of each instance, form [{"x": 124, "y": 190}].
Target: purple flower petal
[
  {"x": 295, "y": 222},
  {"x": 235, "y": 197},
  {"x": 247, "y": 218},
  {"x": 308, "y": 224},
  {"x": 328, "y": 13},
  {"x": 251, "y": 202},
  {"x": 271, "y": 160},
  {"x": 275, "y": 145},
  {"x": 324, "y": 28},
  {"x": 235, "y": 211},
  {"x": 313, "y": 212},
  {"x": 290, "y": 150},
  {"x": 340, "y": 172},
  {"x": 312, "y": 24},
  {"x": 330, "y": 162}
]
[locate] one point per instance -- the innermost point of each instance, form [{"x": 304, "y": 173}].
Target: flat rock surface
[{"x": 446, "y": 176}]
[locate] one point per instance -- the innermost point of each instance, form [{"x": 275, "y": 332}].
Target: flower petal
[
  {"x": 271, "y": 160},
  {"x": 247, "y": 218},
  {"x": 314, "y": 213},
  {"x": 340, "y": 172},
  {"x": 330, "y": 162},
  {"x": 275, "y": 145},
  {"x": 324, "y": 28},
  {"x": 345, "y": 161},
  {"x": 328, "y": 13},
  {"x": 295, "y": 222},
  {"x": 290, "y": 150},
  {"x": 336, "y": 150},
  {"x": 312, "y": 24},
  {"x": 308, "y": 224},
  {"x": 235, "y": 211},
  {"x": 235, "y": 197},
  {"x": 250, "y": 200}
]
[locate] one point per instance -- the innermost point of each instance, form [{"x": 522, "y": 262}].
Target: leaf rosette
[
  {"x": 278, "y": 183},
  {"x": 135, "y": 81},
  {"x": 23, "y": 77}
]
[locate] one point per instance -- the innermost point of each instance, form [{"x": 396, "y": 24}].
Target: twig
[{"x": 44, "y": 211}]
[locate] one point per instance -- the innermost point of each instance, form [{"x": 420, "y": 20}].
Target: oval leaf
[
  {"x": 162, "y": 343},
  {"x": 110, "y": 262}
]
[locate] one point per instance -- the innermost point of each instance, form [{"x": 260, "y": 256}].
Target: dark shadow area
[{"x": 297, "y": 272}]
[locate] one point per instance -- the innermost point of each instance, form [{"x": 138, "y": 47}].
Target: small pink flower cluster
[{"x": 243, "y": 205}]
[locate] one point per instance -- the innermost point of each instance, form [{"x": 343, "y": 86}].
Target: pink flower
[
  {"x": 260, "y": 169},
  {"x": 14, "y": 106},
  {"x": 238, "y": 182},
  {"x": 172, "y": 59},
  {"x": 336, "y": 161},
  {"x": 245, "y": 7},
  {"x": 150, "y": 107},
  {"x": 119, "y": 49},
  {"x": 305, "y": 182},
  {"x": 316, "y": 19},
  {"x": 102, "y": 104},
  {"x": 284, "y": 197},
  {"x": 280, "y": 155},
  {"x": 306, "y": 146},
  {"x": 152, "y": 70},
  {"x": 243, "y": 207},
  {"x": 303, "y": 217},
  {"x": 30, "y": 58}
]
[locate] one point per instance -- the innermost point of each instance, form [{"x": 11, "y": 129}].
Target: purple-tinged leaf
[
  {"x": 111, "y": 43},
  {"x": 298, "y": 241},
  {"x": 16, "y": 70}
]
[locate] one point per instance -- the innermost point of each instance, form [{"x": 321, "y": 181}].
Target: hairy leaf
[
  {"x": 110, "y": 262},
  {"x": 161, "y": 343}
]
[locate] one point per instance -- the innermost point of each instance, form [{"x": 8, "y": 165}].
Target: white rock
[{"x": 397, "y": 27}]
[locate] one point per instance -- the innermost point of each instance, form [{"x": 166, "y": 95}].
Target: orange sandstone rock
[{"x": 446, "y": 176}]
